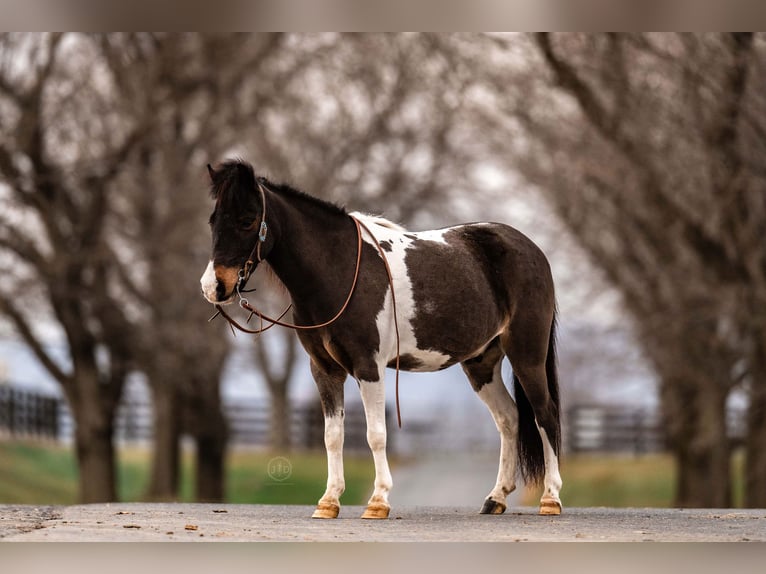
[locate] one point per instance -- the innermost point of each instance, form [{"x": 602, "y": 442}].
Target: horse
[{"x": 421, "y": 301}]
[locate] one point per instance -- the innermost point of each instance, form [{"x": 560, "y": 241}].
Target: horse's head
[{"x": 238, "y": 228}]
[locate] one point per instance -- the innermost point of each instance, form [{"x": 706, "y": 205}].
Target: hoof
[
  {"x": 550, "y": 507},
  {"x": 492, "y": 507},
  {"x": 376, "y": 511},
  {"x": 326, "y": 510}
]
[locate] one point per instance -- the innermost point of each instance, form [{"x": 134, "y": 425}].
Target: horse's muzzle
[
  {"x": 220, "y": 291},
  {"x": 218, "y": 283}
]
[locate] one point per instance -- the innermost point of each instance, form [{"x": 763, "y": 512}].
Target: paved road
[
  {"x": 461, "y": 479},
  {"x": 205, "y": 522}
]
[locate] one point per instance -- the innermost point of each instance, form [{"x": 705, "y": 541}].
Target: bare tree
[
  {"x": 99, "y": 150},
  {"x": 197, "y": 83},
  {"x": 647, "y": 147},
  {"x": 387, "y": 137},
  {"x": 58, "y": 155},
  {"x": 278, "y": 372}
]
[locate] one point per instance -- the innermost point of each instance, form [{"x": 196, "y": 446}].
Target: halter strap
[
  {"x": 244, "y": 274},
  {"x": 247, "y": 269}
]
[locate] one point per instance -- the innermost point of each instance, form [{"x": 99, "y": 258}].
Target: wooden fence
[
  {"x": 600, "y": 428},
  {"x": 587, "y": 428},
  {"x": 596, "y": 428},
  {"x": 25, "y": 414}
]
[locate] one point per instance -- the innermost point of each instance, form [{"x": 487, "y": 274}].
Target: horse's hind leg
[
  {"x": 484, "y": 373},
  {"x": 532, "y": 380},
  {"x": 539, "y": 426},
  {"x": 330, "y": 381}
]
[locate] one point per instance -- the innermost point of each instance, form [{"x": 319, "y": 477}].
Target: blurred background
[{"x": 634, "y": 160}]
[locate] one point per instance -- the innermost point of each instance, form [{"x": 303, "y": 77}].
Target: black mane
[
  {"x": 232, "y": 176},
  {"x": 234, "y": 180}
]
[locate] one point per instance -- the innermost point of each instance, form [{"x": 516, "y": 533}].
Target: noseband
[{"x": 255, "y": 258}]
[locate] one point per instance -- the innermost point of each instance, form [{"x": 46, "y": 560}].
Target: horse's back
[{"x": 484, "y": 260}]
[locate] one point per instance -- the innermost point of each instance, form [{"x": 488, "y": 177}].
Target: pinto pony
[{"x": 422, "y": 301}]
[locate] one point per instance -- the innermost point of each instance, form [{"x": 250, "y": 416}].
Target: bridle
[
  {"x": 255, "y": 258},
  {"x": 244, "y": 273}
]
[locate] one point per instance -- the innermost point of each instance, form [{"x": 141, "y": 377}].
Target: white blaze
[{"x": 209, "y": 283}]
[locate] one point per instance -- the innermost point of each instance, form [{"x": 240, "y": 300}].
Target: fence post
[
  {"x": 12, "y": 413},
  {"x": 54, "y": 406},
  {"x": 638, "y": 432},
  {"x": 572, "y": 429}
]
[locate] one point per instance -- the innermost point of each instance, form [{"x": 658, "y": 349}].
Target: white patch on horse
[
  {"x": 374, "y": 401},
  {"x": 333, "y": 440},
  {"x": 429, "y": 306},
  {"x": 429, "y": 359},
  {"x": 370, "y": 219},
  {"x": 209, "y": 283},
  {"x": 435, "y": 235}
]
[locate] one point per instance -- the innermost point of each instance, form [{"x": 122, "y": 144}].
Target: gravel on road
[{"x": 224, "y": 522}]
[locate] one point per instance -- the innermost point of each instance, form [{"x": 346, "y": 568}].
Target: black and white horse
[{"x": 469, "y": 294}]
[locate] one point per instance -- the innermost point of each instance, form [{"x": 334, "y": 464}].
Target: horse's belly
[
  {"x": 454, "y": 345},
  {"x": 422, "y": 360}
]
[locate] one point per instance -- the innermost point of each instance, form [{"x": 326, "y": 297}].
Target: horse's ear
[{"x": 211, "y": 172}]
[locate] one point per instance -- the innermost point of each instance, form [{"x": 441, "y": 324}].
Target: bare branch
[
  {"x": 572, "y": 82},
  {"x": 21, "y": 246},
  {"x": 10, "y": 90},
  {"x": 695, "y": 231},
  {"x": 23, "y": 328}
]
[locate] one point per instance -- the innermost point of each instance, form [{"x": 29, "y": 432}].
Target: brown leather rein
[{"x": 255, "y": 257}]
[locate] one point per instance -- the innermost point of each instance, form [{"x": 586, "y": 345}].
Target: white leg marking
[
  {"x": 506, "y": 417},
  {"x": 552, "y": 481},
  {"x": 333, "y": 441},
  {"x": 209, "y": 283},
  {"x": 374, "y": 400}
]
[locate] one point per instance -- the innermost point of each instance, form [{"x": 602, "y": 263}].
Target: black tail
[{"x": 530, "y": 445}]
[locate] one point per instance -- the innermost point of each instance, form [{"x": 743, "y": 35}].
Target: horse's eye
[{"x": 245, "y": 223}]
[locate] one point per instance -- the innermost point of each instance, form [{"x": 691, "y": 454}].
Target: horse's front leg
[
  {"x": 374, "y": 400},
  {"x": 330, "y": 385}
]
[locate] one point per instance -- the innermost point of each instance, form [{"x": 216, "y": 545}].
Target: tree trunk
[
  {"x": 698, "y": 440},
  {"x": 755, "y": 441},
  {"x": 211, "y": 466},
  {"x": 164, "y": 483},
  {"x": 755, "y": 447},
  {"x": 95, "y": 455},
  {"x": 277, "y": 382},
  {"x": 279, "y": 429},
  {"x": 207, "y": 423}
]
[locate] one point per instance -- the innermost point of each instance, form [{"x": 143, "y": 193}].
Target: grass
[
  {"x": 36, "y": 473},
  {"x": 616, "y": 481},
  {"x": 624, "y": 481}
]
